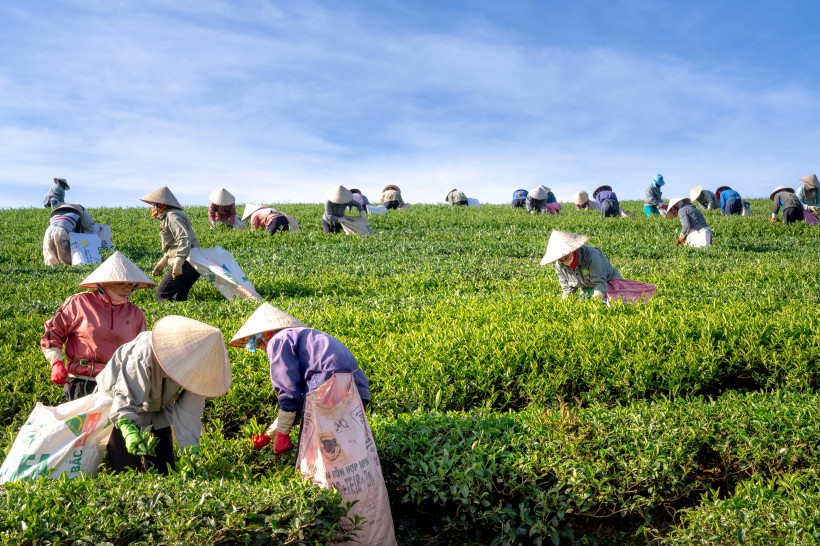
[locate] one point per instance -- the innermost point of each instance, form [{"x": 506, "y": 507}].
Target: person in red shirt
[
  {"x": 222, "y": 208},
  {"x": 266, "y": 217},
  {"x": 88, "y": 327}
]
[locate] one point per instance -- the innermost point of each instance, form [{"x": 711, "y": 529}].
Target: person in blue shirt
[
  {"x": 730, "y": 201},
  {"x": 652, "y": 197},
  {"x": 519, "y": 199},
  {"x": 607, "y": 201},
  {"x": 808, "y": 193}
]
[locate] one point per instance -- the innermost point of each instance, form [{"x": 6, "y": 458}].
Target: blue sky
[{"x": 277, "y": 101}]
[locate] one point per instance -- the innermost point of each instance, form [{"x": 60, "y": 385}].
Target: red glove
[
  {"x": 773, "y": 219},
  {"x": 282, "y": 443},
  {"x": 58, "y": 373},
  {"x": 260, "y": 440}
]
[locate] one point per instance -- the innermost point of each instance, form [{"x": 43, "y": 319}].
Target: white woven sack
[
  {"x": 219, "y": 267},
  {"x": 85, "y": 248}
]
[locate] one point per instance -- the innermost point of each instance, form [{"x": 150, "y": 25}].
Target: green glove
[{"x": 133, "y": 439}]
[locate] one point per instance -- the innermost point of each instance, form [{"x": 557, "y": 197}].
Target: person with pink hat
[
  {"x": 161, "y": 379},
  {"x": 92, "y": 324}
]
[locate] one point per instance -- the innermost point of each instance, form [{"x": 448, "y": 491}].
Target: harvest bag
[
  {"x": 293, "y": 225},
  {"x": 336, "y": 449},
  {"x": 103, "y": 231},
  {"x": 220, "y": 268},
  {"x": 67, "y": 438},
  {"x": 355, "y": 225},
  {"x": 699, "y": 238},
  {"x": 473, "y": 202},
  {"x": 553, "y": 208},
  {"x": 810, "y": 218},
  {"x": 629, "y": 291},
  {"x": 376, "y": 209},
  {"x": 85, "y": 248}
]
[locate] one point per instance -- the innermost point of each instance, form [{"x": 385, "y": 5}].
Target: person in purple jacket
[
  {"x": 607, "y": 201},
  {"x": 301, "y": 359}
]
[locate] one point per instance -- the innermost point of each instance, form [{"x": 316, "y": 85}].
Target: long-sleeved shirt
[
  {"x": 787, "y": 200},
  {"x": 91, "y": 328},
  {"x": 392, "y": 195},
  {"x": 301, "y": 359},
  {"x": 361, "y": 199},
  {"x": 222, "y": 213},
  {"x": 809, "y": 196},
  {"x": 456, "y": 197},
  {"x": 707, "y": 200},
  {"x": 539, "y": 205},
  {"x": 177, "y": 235},
  {"x": 593, "y": 270},
  {"x": 652, "y": 196},
  {"x": 73, "y": 222},
  {"x": 143, "y": 393},
  {"x": 334, "y": 211},
  {"x": 726, "y": 196},
  {"x": 264, "y": 216},
  {"x": 55, "y": 195},
  {"x": 605, "y": 194},
  {"x": 691, "y": 219},
  {"x": 551, "y": 198}
]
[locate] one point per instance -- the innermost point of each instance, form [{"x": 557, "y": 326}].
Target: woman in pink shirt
[
  {"x": 266, "y": 217},
  {"x": 91, "y": 325}
]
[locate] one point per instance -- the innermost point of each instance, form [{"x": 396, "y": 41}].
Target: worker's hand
[
  {"x": 261, "y": 440},
  {"x": 213, "y": 223},
  {"x": 773, "y": 219},
  {"x": 176, "y": 269},
  {"x": 723, "y": 214},
  {"x": 282, "y": 443},
  {"x": 133, "y": 439},
  {"x": 680, "y": 241},
  {"x": 58, "y": 373},
  {"x": 598, "y": 295},
  {"x": 157, "y": 271}
]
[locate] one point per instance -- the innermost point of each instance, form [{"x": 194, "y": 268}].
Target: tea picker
[
  {"x": 337, "y": 200},
  {"x": 222, "y": 208},
  {"x": 65, "y": 219},
  {"x": 653, "y": 200},
  {"x": 695, "y": 232},
  {"x": 55, "y": 196},
  {"x": 808, "y": 193},
  {"x": 785, "y": 198}
]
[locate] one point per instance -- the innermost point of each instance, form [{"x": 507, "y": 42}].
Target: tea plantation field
[{"x": 502, "y": 413}]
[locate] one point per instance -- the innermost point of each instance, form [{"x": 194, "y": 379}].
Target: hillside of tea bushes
[{"x": 502, "y": 413}]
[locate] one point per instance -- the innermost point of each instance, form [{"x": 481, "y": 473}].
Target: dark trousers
[
  {"x": 461, "y": 203},
  {"x": 735, "y": 206},
  {"x": 518, "y": 203},
  {"x": 610, "y": 207},
  {"x": 793, "y": 214},
  {"x": 120, "y": 460},
  {"x": 177, "y": 289},
  {"x": 280, "y": 223},
  {"x": 336, "y": 228},
  {"x": 391, "y": 205},
  {"x": 77, "y": 388}
]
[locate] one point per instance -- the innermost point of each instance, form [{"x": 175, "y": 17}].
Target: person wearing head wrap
[
  {"x": 178, "y": 238},
  {"x": 809, "y": 192},
  {"x": 607, "y": 201},
  {"x": 457, "y": 198},
  {"x": 652, "y": 197},
  {"x": 391, "y": 197},
  {"x": 705, "y": 198},
  {"x": 222, "y": 208},
  {"x": 92, "y": 324},
  {"x": 301, "y": 359},
  {"x": 161, "y": 378},
  {"x": 55, "y": 196},
  {"x": 65, "y": 219},
  {"x": 785, "y": 198},
  {"x": 586, "y": 269},
  {"x": 695, "y": 232},
  {"x": 519, "y": 199},
  {"x": 730, "y": 201},
  {"x": 266, "y": 217},
  {"x": 337, "y": 200}
]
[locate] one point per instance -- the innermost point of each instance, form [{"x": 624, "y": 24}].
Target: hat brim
[
  {"x": 599, "y": 189},
  {"x": 779, "y": 190}
]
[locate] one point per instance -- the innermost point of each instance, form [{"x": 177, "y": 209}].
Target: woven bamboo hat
[
  {"x": 163, "y": 196},
  {"x": 63, "y": 183},
  {"x": 599, "y": 189},
  {"x": 538, "y": 193},
  {"x": 695, "y": 192},
  {"x": 118, "y": 268},
  {"x": 339, "y": 195},
  {"x": 810, "y": 180},
  {"x": 221, "y": 197},
  {"x": 580, "y": 197},
  {"x": 779, "y": 189},
  {"x": 67, "y": 207},
  {"x": 266, "y": 318},
  {"x": 250, "y": 209},
  {"x": 670, "y": 210},
  {"x": 562, "y": 243},
  {"x": 193, "y": 354}
]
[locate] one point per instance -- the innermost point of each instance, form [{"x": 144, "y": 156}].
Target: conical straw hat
[
  {"x": 670, "y": 210},
  {"x": 162, "y": 196},
  {"x": 599, "y": 189},
  {"x": 266, "y": 318},
  {"x": 779, "y": 189},
  {"x": 221, "y": 197},
  {"x": 694, "y": 193},
  {"x": 193, "y": 354},
  {"x": 339, "y": 195},
  {"x": 390, "y": 187},
  {"x": 250, "y": 209},
  {"x": 581, "y": 197},
  {"x": 118, "y": 268},
  {"x": 64, "y": 184},
  {"x": 811, "y": 180},
  {"x": 67, "y": 207},
  {"x": 538, "y": 193},
  {"x": 562, "y": 243}
]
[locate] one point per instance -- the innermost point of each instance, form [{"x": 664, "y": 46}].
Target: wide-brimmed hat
[
  {"x": 118, "y": 268},
  {"x": 339, "y": 195},
  {"x": 580, "y": 197},
  {"x": 67, "y": 207},
  {"x": 695, "y": 192},
  {"x": 163, "y": 196},
  {"x": 670, "y": 210},
  {"x": 250, "y": 209},
  {"x": 390, "y": 187},
  {"x": 266, "y": 318},
  {"x": 63, "y": 183},
  {"x": 193, "y": 354},
  {"x": 658, "y": 180},
  {"x": 221, "y": 197},
  {"x": 446, "y": 197},
  {"x": 562, "y": 243},
  {"x": 538, "y": 193},
  {"x": 779, "y": 189},
  {"x": 722, "y": 188},
  {"x": 810, "y": 180},
  {"x": 599, "y": 189}
]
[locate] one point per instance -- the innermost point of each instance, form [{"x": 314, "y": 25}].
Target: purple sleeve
[{"x": 285, "y": 373}]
